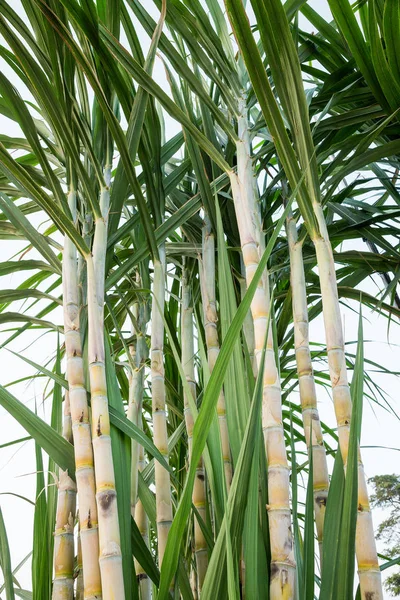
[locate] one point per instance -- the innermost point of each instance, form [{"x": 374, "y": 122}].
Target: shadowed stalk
[
  {"x": 85, "y": 479},
  {"x": 63, "y": 584},
  {"x": 79, "y": 578},
  {"x": 308, "y": 394},
  {"x": 139, "y": 352},
  {"x": 283, "y": 566},
  {"x": 162, "y": 478},
  {"x": 106, "y": 495},
  {"x": 199, "y": 491},
  {"x": 207, "y": 281},
  {"x": 248, "y": 325}
]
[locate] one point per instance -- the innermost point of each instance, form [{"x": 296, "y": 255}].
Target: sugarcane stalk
[
  {"x": 110, "y": 557},
  {"x": 199, "y": 490},
  {"x": 207, "y": 282},
  {"x": 248, "y": 325},
  {"x": 63, "y": 584},
  {"x": 308, "y": 394},
  {"x": 79, "y": 567},
  {"x": 142, "y": 523},
  {"x": 85, "y": 479},
  {"x": 162, "y": 478},
  {"x": 138, "y": 352},
  {"x": 366, "y": 553},
  {"x": 283, "y": 566}
]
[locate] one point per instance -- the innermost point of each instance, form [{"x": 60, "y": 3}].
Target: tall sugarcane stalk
[
  {"x": 63, "y": 584},
  {"x": 286, "y": 71},
  {"x": 308, "y": 394},
  {"x": 110, "y": 557},
  {"x": 283, "y": 566},
  {"x": 207, "y": 282},
  {"x": 138, "y": 351},
  {"x": 366, "y": 553},
  {"x": 79, "y": 595},
  {"x": 162, "y": 478},
  {"x": 199, "y": 489},
  {"x": 85, "y": 479}
]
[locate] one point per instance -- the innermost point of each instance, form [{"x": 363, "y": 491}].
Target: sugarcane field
[{"x": 199, "y": 299}]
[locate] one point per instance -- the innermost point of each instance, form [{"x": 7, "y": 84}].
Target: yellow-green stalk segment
[
  {"x": 207, "y": 277},
  {"x": 162, "y": 478},
  {"x": 85, "y": 479},
  {"x": 367, "y": 558},
  {"x": 110, "y": 557},
  {"x": 283, "y": 566},
  {"x": 63, "y": 584},
  {"x": 138, "y": 355},
  {"x": 307, "y": 388},
  {"x": 199, "y": 490}
]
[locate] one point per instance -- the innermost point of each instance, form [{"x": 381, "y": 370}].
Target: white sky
[{"x": 17, "y": 463}]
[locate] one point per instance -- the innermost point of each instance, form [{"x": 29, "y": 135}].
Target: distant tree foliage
[{"x": 387, "y": 495}]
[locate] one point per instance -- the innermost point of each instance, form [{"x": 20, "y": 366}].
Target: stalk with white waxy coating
[
  {"x": 366, "y": 553},
  {"x": 308, "y": 394},
  {"x": 138, "y": 351},
  {"x": 110, "y": 557},
  {"x": 199, "y": 490},
  {"x": 207, "y": 282},
  {"x": 283, "y": 566},
  {"x": 162, "y": 478},
  {"x": 63, "y": 584},
  {"x": 85, "y": 479}
]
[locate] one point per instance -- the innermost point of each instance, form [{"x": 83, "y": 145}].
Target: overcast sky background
[{"x": 380, "y": 434}]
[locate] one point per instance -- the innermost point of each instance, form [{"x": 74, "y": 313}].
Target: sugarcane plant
[{"x": 186, "y": 234}]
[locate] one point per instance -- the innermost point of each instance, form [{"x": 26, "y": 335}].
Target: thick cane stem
[
  {"x": 367, "y": 558},
  {"x": 162, "y": 478},
  {"x": 283, "y": 567},
  {"x": 199, "y": 491},
  {"x": 308, "y": 394},
  {"x": 106, "y": 495},
  {"x": 85, "y": 479},
  {"x": 139, "y": 352},
  {"x": 207, "y": 280}
]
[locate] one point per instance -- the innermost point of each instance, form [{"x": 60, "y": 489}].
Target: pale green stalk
[
  {"x": 162, "y": 478},
  {"x": 85, "y": 478},
  {"x": 199, "y": 490},
  {"x": 110, "y": 557},
  {"x": 138, "y": 351},
  {"x": 366, "y": 553},
  {"x": 63, "y": 584},
  {"x": 308, "y": 394},
  {"x": 283, "y": 566},
  {"x": 207, "y": 282}
]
